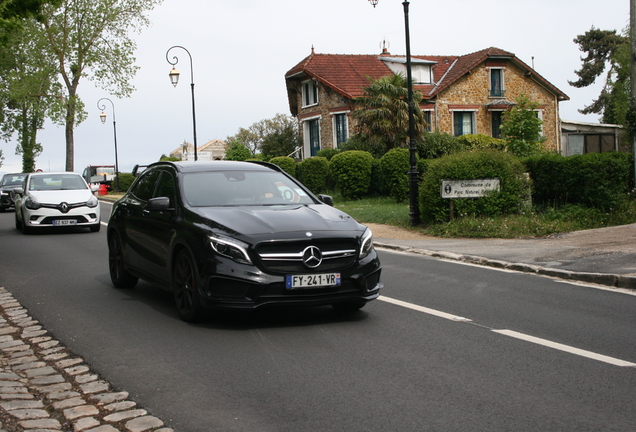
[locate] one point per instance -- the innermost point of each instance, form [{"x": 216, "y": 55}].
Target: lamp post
[
  {"x": 102, "y": 117},
  {"x": 414, "y": 211},
  {"x": 174, "y": 79}
]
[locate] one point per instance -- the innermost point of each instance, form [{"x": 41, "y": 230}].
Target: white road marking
[
  {"x": 428, "y": 311},
  {"x": 566, "y": 348},
  {"x": 514, "y": 334}
]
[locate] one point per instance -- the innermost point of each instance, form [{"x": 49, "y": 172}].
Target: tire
[
  {"x": 185, "y": 286},
  {"x": 349, "y": 305},
  {"x": 118, "y": 274},
  {"x": 18, "y": 224},
  {"x": 96, "y": 227}
]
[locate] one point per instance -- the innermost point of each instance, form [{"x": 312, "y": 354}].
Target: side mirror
[
  {"x": 327, "y": 199},
  {"x": 159, "y": 204},
  {"x": 18, "y": 190},
  {"x": 94, "y": 188}
]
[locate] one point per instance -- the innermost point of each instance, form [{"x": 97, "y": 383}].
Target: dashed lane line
[{"x": 514, "y": 334}]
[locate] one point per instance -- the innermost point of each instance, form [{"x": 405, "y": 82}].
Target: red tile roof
[{"x": 348, "y": 74}]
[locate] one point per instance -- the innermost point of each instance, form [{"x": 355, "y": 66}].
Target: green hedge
[
  {"x": 286, "y": 163},
  {"x": 125, "y": 180},
  {"x": 598, "y": 180},
  {"x": 314, "y": 173},
  {"x": 351, "y": 171},
  {"x": 512, "y": 198},
  {"x": 395, "y": 165}
]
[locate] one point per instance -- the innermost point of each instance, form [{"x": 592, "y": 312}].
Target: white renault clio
[{"x": 56, "y": 199}]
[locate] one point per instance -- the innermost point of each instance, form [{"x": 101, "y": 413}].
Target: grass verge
[{"x": 537, "y": 223}]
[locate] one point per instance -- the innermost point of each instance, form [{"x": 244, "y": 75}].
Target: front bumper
[
  {"x": 44, "y": 217},
  {"x": 246, "y": 287}
]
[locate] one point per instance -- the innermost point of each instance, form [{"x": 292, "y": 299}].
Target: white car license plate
[
  {"x": 58, "y": 222},
  {"x": 312, "y": 281}
]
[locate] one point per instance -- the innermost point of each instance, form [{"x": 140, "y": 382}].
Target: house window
[
  {"x": 312, "y": 136},
  {"x": 496, "y": 124},
  {"x": 340, "y": 128},
  {"x": 463, "y": 122},
  {"x": 496, "y": 83},
  {"x": 310, "y": 93},
  {"x": 427, "y": 119}
]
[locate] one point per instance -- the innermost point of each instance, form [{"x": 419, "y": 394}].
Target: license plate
[
  {"x": 312, "y": 281},
  {"x": 59, "y": 222}
]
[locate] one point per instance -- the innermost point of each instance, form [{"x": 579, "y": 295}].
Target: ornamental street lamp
[
  {"x": 414, "y": 211},
  {"x": 102, "y": 117},
  {"x": 174, "y": 79}
]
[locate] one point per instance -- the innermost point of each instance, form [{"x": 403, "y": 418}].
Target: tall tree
[
  {"x": 606, "y": 53},
  {"x": 383, "y": 113},
  {"x": 25, "y": 94},
  {"x": 91, "y": 39}
]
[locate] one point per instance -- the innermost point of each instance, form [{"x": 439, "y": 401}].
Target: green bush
[
  {"x": 314, "y": 173},
  {"x": 286, "y": 163},
  {"x": 378, "y": 186},
  {"x": 513, "y": 196},
  {"x": 328, "y": 153},
  {"x": 437, "y": 144},
  {"x": 351, "y": 170},
  {"x": 597, "y": 180},
  {"x": 125, "y": 180},
  {"x": 395, "y": 166},
  {"x": 481, "y": 142}
]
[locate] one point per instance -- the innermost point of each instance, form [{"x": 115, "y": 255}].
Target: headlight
[
  {"x": 366, "y": 245},
  {"x": 31, "y": 203},
  {"x": 231, "y": 248},
  {"x": 92, "y": 202}
]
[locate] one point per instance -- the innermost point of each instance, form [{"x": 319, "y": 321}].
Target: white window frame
[
  {"x": 473, "y": 121},
  {"x": 335, "y": 143},
  {"x": 309, "y": 93}
]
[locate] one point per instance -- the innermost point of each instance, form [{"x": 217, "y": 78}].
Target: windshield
[
  {"x": 50, "y": 182},
  {"x": 13, "y": 179},
  {"x": 235, "y": 188}
]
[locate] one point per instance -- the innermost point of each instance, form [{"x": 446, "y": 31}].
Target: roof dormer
[{"x": 421, "y": 70}]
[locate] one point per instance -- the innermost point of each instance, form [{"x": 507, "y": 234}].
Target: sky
[{"x": 241, "y": 51}]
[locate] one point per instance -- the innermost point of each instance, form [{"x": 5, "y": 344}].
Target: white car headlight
[
  {"x": 31, "y": 203},
  {"x": 231, "y": 248},
  {"x": 92, "y": 202},
  {"x": 366, "y": 245}
]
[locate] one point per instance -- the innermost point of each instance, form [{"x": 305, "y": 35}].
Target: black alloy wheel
[
  {"x": 185, "y": 286},
  {"x": 118, "y": 274}
]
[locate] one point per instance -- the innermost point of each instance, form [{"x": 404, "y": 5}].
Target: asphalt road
[{"x": 450, "y": 347}]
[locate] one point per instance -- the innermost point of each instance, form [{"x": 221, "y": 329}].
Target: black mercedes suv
[{"x": 239, "y": 235}]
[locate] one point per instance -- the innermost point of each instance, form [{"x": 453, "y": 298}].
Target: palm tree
[{"x": 383, "y": 113}]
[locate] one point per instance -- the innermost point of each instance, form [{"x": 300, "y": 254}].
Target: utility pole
[{"x": 632, "y": 71}]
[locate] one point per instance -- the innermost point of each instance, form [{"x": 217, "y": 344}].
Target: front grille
[{"x": 287, "y": 257}]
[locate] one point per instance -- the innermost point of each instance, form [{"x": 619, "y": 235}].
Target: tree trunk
[{"x": 69, "y": 126}]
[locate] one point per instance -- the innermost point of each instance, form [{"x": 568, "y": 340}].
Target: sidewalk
[{"x": 604, "y": 256}]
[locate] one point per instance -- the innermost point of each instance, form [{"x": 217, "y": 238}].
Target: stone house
[{"x": 461, "y": 94}]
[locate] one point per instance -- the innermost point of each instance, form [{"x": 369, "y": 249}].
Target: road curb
[{"x": 607, "y": 279}]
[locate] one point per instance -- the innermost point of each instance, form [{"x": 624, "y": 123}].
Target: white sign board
[{"x": 468, "y": 188}]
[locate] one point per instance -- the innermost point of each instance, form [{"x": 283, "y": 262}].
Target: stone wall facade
[{"x": 471, "y": 93}]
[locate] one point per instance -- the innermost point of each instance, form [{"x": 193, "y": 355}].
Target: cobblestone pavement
[{"x": 46, "y": 388}]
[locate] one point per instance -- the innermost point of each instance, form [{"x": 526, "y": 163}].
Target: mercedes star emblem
[{"x": 312, "y": 257}]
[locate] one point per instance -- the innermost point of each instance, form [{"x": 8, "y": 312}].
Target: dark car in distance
[
  {"x": 239, "y": 235},
  {"x": 8, "y": 183}
]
